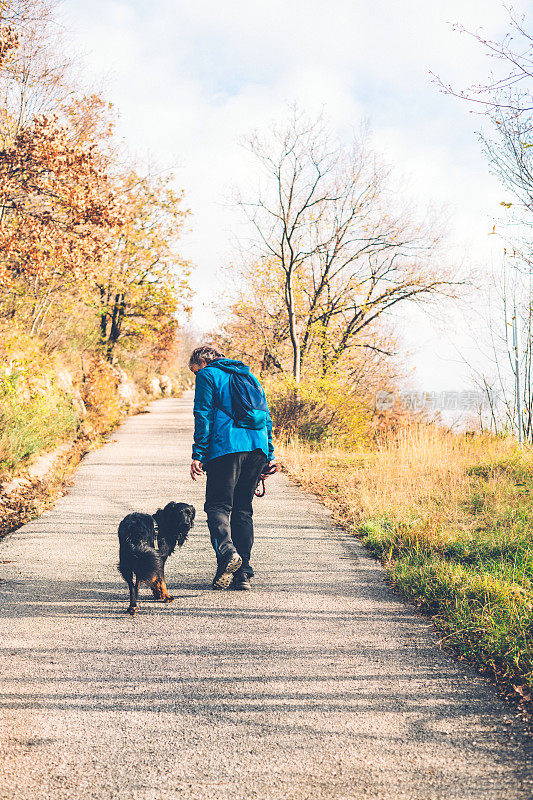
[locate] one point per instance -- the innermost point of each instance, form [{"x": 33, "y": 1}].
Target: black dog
[{"x": 145, "y": 544}]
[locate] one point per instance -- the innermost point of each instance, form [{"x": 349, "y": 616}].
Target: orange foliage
[{"x": 55, "y": 199}]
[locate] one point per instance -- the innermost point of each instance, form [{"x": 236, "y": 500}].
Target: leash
[
  {"x": 267, "y": 472},
  {"x": 156, "y": 534}
]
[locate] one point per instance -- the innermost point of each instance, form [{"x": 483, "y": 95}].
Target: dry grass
[{"x": 410, "y": 473}]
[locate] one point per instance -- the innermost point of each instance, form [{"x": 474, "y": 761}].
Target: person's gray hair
[{"x": 204, "y": 353}]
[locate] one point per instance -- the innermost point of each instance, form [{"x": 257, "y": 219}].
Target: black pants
[{"x": 231, "y": 484}]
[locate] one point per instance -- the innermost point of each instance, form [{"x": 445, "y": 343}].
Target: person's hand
[{"x": 197, "y": 469}]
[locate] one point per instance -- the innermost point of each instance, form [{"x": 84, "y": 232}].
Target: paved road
[{"x": 318, "y": 684}]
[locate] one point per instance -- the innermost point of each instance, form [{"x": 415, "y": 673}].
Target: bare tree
[
  {"x": 510, "y": 91},
  {"x": 506, "y": 102},
  {"x": 324, "y": 215}
]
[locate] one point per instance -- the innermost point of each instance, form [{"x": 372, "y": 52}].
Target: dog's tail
[{"x": 144, "y": 561}]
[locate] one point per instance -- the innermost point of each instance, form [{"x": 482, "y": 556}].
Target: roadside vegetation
[{"x": 450, "y": 516}]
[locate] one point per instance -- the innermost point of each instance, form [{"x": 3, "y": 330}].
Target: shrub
[
  {"x": 31, "y": 419},
  {"x": 317, "y": 412},
  {"x": 99, "y": 391}
]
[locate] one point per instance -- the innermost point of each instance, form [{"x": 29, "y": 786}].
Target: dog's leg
[
  {"x": 167, "y": 598},
  {"x": 162, "y": 593},
  {"x": 134, "y": 590},
  {"x": 159, "y": 581}
]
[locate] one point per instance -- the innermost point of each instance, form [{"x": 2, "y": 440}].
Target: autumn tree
[
  {"x": 92, "y": 287},
  {"x": 143, "y": 282},
  {"x": 55, "y": 201},
  {"x": 55, "y": 195},
  {"x": 37, "y": 77},
  {"x": 256, "y": 330},
  {"x": 339, "y": 250},
  {"x": 88, "y": 248}
]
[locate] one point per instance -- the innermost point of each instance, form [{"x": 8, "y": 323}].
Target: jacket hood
[{"x": 229, "y": 365}]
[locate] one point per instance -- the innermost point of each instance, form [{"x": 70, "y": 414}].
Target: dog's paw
[
  {"x": 169, "y": 599},
  {"x": 131, "y": 610}
]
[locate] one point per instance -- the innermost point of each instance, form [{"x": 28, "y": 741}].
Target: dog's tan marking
[
  {"x": 162, "y": 591},
  {"x": 155, "y": 586}
]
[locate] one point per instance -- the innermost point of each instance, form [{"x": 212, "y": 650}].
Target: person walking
[{"x": 233, "y": 445}]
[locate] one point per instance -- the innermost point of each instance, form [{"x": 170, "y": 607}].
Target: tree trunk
[
  {"x": 116, "y": 324},
  {"x": 103, "y": 317},
  {"x": 295, "y": 341}
]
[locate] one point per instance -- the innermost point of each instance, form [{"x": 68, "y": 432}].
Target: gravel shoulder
[{"x": 320, "y": 683}]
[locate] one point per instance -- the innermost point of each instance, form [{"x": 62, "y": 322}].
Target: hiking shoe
[
  {"x": 225, "y": 571},
  {"x": 241, "y": 582}
]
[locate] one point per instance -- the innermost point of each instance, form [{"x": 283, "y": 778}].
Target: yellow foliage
[
  {"x": 99, "y": 391},
  {"x": 324, "y": 410}
]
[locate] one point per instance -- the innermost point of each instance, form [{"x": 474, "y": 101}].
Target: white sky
[{"x": 189, "y": 79}]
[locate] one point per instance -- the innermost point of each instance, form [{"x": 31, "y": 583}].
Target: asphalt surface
[{"x": 319, "y": 683}]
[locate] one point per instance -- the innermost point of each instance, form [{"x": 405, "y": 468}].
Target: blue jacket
[{"x": 215, "y": 433}]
